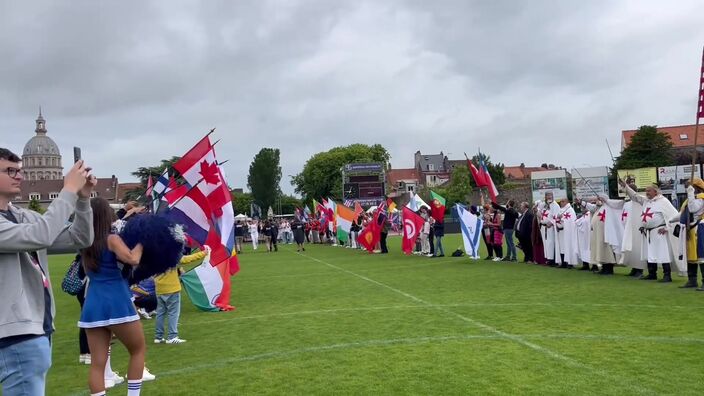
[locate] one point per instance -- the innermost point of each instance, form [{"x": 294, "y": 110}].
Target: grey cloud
[{"x": 134, "y": 83}]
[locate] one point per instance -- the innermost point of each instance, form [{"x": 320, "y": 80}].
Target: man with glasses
[{"x": 27, "y": 306}]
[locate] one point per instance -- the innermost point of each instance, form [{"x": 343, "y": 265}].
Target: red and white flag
[
  {"x": 412, "y": 225},
  {"x": 200, "y": 169}
]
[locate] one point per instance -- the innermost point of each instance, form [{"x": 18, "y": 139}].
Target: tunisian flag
[{"x": 412, "y": 224}]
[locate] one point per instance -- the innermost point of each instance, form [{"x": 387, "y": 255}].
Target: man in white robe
[
  {"x": 626, "y": 241},
  {"x": 602, "y": 253},
  {"x": 584, "y": 231},
  {"x": 568, "y": 234},
  {"x": 654, "y": 222},
  {"x": 551, "y": 243}
]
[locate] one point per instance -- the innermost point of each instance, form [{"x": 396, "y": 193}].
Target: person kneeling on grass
[{"x": 168, "y": 300}]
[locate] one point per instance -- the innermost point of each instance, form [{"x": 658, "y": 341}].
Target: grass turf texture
[{"x": 335, "y": 320}]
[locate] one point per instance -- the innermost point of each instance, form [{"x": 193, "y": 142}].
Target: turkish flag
[{"x": 412, "y": 225}]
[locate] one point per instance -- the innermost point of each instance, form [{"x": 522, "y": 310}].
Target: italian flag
[
  {"x": 438, "y": 208},
  {"x": 208, "y": 287},
  {"x": 345, "y": 218}
]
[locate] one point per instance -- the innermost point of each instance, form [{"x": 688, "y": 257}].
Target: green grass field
[{"x": 338, "y": 321}]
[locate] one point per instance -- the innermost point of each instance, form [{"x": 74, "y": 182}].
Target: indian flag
[
  {"x": 345, "y": 218},
  {"x": 205, "y": 284}
]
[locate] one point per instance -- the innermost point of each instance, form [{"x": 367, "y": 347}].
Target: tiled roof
[
  {"x": 393, "y": 176},
  {"x": 681, "y": 135},
  {"x": 519, "y": 172}
]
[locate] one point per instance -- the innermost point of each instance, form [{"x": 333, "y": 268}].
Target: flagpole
[
  {"x": 700, "y": 101},
  {"x": 184, "y": 195},
  {"x": 585, "y": 182}
]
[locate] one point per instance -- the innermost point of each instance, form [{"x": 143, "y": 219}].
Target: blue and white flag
[{"x": 471, "y": 226}]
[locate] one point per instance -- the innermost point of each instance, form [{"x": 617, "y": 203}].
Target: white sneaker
[
  {"x": 159, "y": 340},
  {"x": 147, "y": 376},
  {"x": 497, "y": 259},
  {"x": 175, "y": 340},
  {"x": 143, "y": 313},
  {"x": 84, "y": 359},
  {"x": 113, "y": 380}
]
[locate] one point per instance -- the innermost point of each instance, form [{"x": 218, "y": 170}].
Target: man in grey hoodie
[{"x": 27, "y": 304}]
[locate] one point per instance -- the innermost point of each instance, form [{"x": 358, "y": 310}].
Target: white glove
[
  {"x": 207, "y": 249},
  {"x": 690, "y": 193}
]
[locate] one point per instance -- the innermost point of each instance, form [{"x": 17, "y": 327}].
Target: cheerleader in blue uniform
[{"x": 108, "y": 307}]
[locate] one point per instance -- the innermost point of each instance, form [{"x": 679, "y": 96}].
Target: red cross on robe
[
  {"x": 602, "y": 215},
  {"x": 623, "y": 216},
  {"x": 647, "y": 214}
]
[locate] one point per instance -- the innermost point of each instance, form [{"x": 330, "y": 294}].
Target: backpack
[
  {"x": 458, "y": 253},
  {"x": 72, "y": 282}
]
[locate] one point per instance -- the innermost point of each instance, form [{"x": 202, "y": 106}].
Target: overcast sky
[{"x": 527, "y": 81}]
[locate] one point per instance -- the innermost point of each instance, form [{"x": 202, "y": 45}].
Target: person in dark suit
[{"x": 524, "y": 228}]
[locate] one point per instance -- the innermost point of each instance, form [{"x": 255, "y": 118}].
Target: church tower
[{"x": 41, "y": 158}]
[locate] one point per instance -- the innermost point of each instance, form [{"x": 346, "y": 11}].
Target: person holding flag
[
  {"x": 508, "y": 225},
  {"x": 412, "y": 225}
]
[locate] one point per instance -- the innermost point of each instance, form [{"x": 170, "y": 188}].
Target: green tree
[
  {"x": 241, "y": 203},
  {"x": 322, "y": 173},
  {"x": 648, "y": 148},
  {"x": 496, "y": 171},
  {"x": 35, "y": 206},
  {"x": 264, "y": 177},
  {"x": 459, "y": 187},
  {"x": 289, "y": 204},
  {"x": 143, "y": 173}
]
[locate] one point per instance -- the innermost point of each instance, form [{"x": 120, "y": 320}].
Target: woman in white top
[{"x": 254, "y": 233}]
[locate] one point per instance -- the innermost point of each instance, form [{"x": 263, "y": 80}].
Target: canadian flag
[{"x": 200, "y": 169}]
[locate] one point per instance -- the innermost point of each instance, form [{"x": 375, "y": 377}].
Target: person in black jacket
[
  {"x": 508, "y": 226},
  {"x": 524, "y": 228}
]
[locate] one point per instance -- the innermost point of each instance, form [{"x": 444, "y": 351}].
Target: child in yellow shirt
[{"x": 168, "y": 300}]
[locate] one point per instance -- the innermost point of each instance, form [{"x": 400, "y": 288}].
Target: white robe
[
  {"x": 584, "y": 230},
  {"x": 602, "y": 252},
  {"x": 632, "y": 240},
  {"x": 551, "y": 243},
  {"x": 656, "y": 215},
  {"x": 568, "y": 241}
]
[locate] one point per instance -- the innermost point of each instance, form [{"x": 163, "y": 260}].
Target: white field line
[
  {"x": 513, "y": 337},
  {"x": 147, "y": 324},
  {"x": 373, "y": 269},
  {"x": 405, "y": 341}
]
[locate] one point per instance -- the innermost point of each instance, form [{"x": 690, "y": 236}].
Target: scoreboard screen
[{"x": 364, "y": 182}]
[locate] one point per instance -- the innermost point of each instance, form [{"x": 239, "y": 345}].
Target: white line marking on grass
[
  {"x": 323, "y": 348},
  {"x": 400, "y": 341},
  {"x": 147, "y": 324},
  {"x": 516, "y": 338},
  {"x": 602, "y": 337}
]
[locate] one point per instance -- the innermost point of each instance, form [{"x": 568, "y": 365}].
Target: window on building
[
  {"x": 683, "y": 136},
  {"x": 93, "y": 194},
  {"x": 410, "y": 189},
  {"x": 53, "y": 195},
  {"x": 36, "y": 196},
  {"x": 431, "y": 167}
]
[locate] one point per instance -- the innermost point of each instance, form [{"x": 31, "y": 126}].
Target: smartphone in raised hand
[{"x": 76, "y": 154}]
